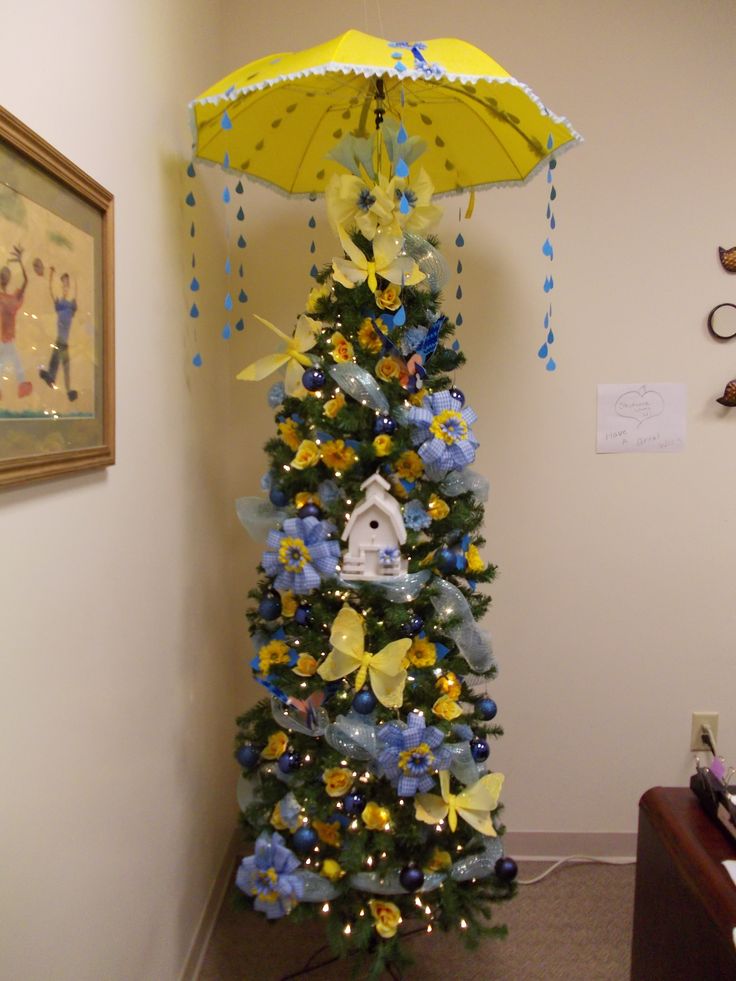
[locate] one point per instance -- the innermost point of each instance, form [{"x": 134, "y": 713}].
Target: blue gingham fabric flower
[
  {"x": 412, "y": 753},
  {"x": 389, "y": 555},
  {"x": 415, "y": 517},
  {"x": 442, "y": 432},
  {"x": 268, "y": 877},
  {"x": 276, "y": 395},
  {"x": 300, "y": 554}
]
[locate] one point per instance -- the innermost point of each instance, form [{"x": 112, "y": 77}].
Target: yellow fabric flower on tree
[
  {"x": 386, "y": 917},
  {"x": 388, "y": 368},
  {"x": 342, "y": 349},
  {"x": 305, "y": 666},
  {"x": 475, "y": 562},
  {"x": 418, "y": 190},
  {"x": 331, "y": 870},
  {"x": 389, "y": 298},
  {"x": 437, "y": 508},
  {"x": 473, "y": 804},
  {"x": 449, "y": 684},
  {"x": 422, "y": 653},
  {"x": 409, "y": 465},
  {"x": 289, "y": 603},
  {"x": 447, "y": 708},
  {"x": 307, "y": 455},
  {"x": 383, "y": 444},
  {"x": 275, "y": 652},
  {"x": 289, "y": 433},
  {"x": 338, "y": 781},
  {"x": 387, "y": 262},
  {"x": 353, "y": 202},
  {"x": 439, "y": 861},
  {"x": 335, "y": 404},
  {"x": 348, "y": 654},
  {"x": 328, "y": 832},
  {"x": 306, "y": 497},
  {"x": 375, "y": 817},
  {"x": 316, "y": 294},
  {"x": 294, "y": 355},
  {"x": 368, "y": 338},
  {"x": 338, "y": 456},
  {"x": 276, "y": 745}
]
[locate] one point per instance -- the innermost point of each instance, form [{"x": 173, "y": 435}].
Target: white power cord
[{"x": 577, "y": 860}]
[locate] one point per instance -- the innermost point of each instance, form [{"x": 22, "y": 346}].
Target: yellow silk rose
[
  {"x": 439, "y": 860},
  {"x": 447, "y": 708},
  {"x": 383, "y": 445},
  {"x": 386, "y": 916},
  {"x": 334, "y": 405},
  {"x": 277, "y": 820},
  {"x": 475, "y": 562},
  {"x": 368, "y": 338},
  {"x": 389, "y": 299},
  {"x": 289, "y": 603},
  {"x": 305, "y": 666},
  {"x": 338, "y": 456},
  {"x": 329, "y": 833},
  {"x": 409, "y": 465},
  {"x": 307, "y": 455},
  {"x": 437, "y": 508},
  {"x": 342, "y": 349},
  {"x": 338, "y": 781},
  {"x": 276, "y": 745},
  {"x": 376, "y": 817},
  {"x": 305, "y": 497},
  {"x": 449, "y": 684},
  {"x": 331, "y": 870},
  {"x": 388, "y": 368},
  {"x": 289, "y": 433}
]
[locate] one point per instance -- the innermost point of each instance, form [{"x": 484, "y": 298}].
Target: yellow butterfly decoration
[
  {"x": 474, "y": 804},
  {"x": 348, "y": 654},
  {"x": 293, "y": 356},
  {"x": 386, "y": 262}
]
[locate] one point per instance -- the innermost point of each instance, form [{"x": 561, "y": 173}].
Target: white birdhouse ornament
[{"x": 374, "y": 533}]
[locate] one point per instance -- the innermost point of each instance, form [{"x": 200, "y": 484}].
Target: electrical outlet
[{"x": 699, "y": 719}]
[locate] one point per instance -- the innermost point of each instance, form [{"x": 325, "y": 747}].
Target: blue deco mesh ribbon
[
  {"x": 360, "y": 385},
  {"x": 474, "y": 644},
  {"x": 460, "y": 481},
  {"x": 354, "y": 735},
  {"x": 398, "y": 589},
  {"x": 258, "y": 516},
  {"x": 317, "y": 888},
  {"x": 290, "y": 718},
  {"x": 389, "y": 885},
  {"x": 478, "y": 866}
]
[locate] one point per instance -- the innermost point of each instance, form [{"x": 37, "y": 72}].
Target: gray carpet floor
[{"x": 573, "y": 925}]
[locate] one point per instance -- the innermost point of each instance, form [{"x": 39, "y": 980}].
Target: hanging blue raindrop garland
[
  {"x": 549, "y": 252},
  {"x": 194, "y": 285}
]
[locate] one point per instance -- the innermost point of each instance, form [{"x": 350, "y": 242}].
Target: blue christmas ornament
[
  {"x": 384, "y": 425},
  {"x": 314, "y": 379},
  {"x": 270, "y": 606},
  {"x": 487, "y": 709},
  {"x": 506, "y": 869},
  {"x": 304, "y": 839},
  {"x": 248, "y": 756},
  {"x": 444, "y": 559},
  {"x": 411, "y": 878},
  {"x": 309, "y": 510},
  {"x": 365, "y": 701},
  {"x": 355, "y": 802},
  {"x": 289, "y": 761},
  {"x": 459, "y": 396},
  {"x": 412, "y": 626},
  {"x": 479, "y": 749},
  {"x": 277, "y": 497},
  {"x": 303, "y": 614}
]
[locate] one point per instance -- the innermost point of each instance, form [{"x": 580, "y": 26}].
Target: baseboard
[
  {"x": 215, "y": 899},
  {"x": 562, "y": 844}
]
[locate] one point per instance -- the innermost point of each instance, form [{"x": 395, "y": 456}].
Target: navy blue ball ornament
[
  {"x": 411, "y": 878},
  {"x": 314, "y": 379},
  {"x": 304, "y": 839},
  {"x": 479, "y": 750},
  {"x": 364, "y": 702},
  {"x": 354, "y": 802},
  {"x": 289, "y": 761},
  {"x": 487, "y": 709},
  {"x": 309, "y": 510},
  {"x": 384, "y": 426},
  {"x": 248, "y": 756},
  {"x": 412, "y": 626},
  {"x": 303, "y": 614},
  {"x": 270, "y": 606},
  {"x": 277, "y": 497},
  {"x": 506, "y": 869},
  {"x": 457, "y": 395},
  {"x": 444, "y": 559}
]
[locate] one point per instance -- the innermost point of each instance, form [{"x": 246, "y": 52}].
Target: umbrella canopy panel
[{"x": 275, "y": 119}]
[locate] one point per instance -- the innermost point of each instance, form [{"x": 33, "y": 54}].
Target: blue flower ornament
[
  {"x": 443, "y": 433},
  {"x": 268, "y": 876},
  {"x": 411, "y": 753},
  {"x": 300, "y": 554}
]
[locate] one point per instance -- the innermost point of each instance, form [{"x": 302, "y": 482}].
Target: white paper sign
[{"x": 641, "y": 418}]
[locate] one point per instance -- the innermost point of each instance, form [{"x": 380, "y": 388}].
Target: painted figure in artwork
[
  {"x": 65, "y": 307},
  {"x": 10, "y": 303}
]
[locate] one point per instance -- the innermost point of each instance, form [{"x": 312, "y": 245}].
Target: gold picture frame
[{"x": 57, "y": 359}]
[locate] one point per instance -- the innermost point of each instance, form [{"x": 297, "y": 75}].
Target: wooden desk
[{"x": 685, "y": 902}]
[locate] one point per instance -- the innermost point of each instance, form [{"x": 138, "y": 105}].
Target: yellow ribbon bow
[
  {"x": 474, "y": 804},
  {"x": 348, "y": 654},
  {"x": 386, "y": 262},
  {"x": 293, "y": 356}
]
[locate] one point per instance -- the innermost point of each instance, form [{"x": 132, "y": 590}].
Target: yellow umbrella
[{"x": 277, "y": 118}]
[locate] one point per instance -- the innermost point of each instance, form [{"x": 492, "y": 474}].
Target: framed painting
[{"x": 57, "y": 405}]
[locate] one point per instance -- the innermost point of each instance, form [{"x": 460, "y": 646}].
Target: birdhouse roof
[{"x": 378, "y": 497}]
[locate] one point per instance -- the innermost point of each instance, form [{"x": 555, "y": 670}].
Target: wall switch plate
[{"x": 699, "y": 719}]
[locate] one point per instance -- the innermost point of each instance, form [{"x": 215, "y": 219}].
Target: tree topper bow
[
  {"x": 386, "y": 262},
  {"x": 474, "y": 804},
  {"x": 348, "y": 654},
  {"x": 293, "y": 356}
]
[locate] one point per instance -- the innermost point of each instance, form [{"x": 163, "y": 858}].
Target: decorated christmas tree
[{"x": 372, "y": 799}]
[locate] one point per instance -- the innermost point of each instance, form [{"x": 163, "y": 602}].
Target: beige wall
[{"x": 123, "y": 591}]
